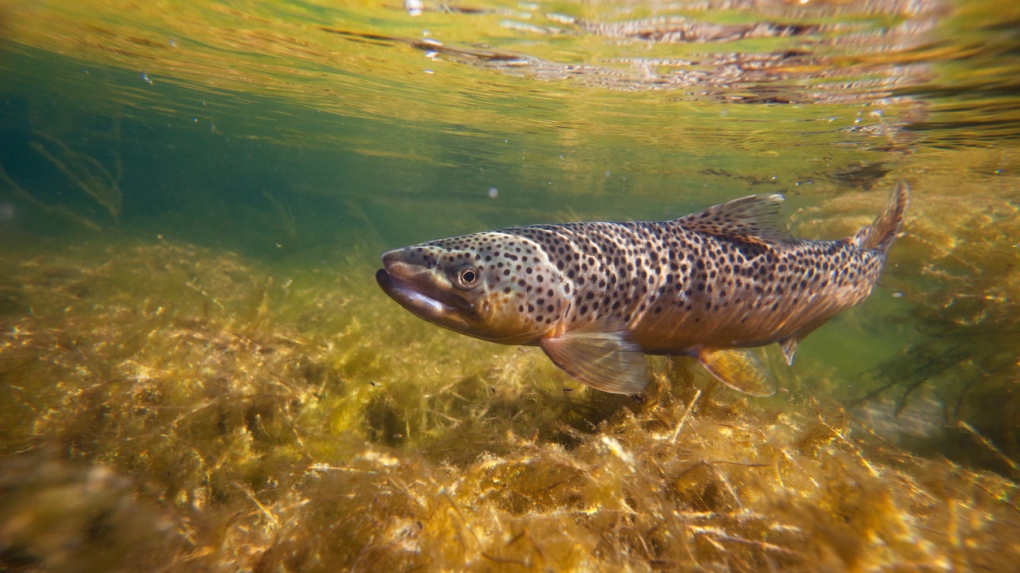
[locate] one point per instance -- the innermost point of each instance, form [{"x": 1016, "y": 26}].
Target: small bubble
[
  {"x": 608, "y": 173},
  {"x": 7, "y": 212},
  {"x": 493, "y": 192}
]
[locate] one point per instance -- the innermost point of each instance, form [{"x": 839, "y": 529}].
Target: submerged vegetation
[
  {"x": 84, "y": 174},
  {"x": 967, "y": 303},
  {"x": 169, "y": 406},
  {"x": 166, "y": 406}
]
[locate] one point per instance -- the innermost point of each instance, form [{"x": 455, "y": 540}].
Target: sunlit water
[{"x": 198, "y": 371}]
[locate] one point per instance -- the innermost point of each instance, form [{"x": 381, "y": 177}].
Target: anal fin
[
  {"x": 605, "y": 360},
  {"x": 739, "y": 369},
  {"x": 789, "y": 348}
]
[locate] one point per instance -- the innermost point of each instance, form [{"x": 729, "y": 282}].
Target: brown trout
[{"x": 597, "y": 297}]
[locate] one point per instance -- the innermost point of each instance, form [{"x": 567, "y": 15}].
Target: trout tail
[{"x": 880, "y": 234}]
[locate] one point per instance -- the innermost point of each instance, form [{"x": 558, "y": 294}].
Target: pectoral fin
[
  {"x": 607, "y": 361},
  {"x": 738, "y": 369}
]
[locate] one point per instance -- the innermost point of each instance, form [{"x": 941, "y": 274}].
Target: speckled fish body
[{"x": 598, "y": 296}]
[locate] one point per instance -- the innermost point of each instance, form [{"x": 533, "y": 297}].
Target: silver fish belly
[{"x": 597, "y": 297}]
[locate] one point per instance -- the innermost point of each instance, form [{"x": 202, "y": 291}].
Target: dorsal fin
[{"x": 754, "y": 218}]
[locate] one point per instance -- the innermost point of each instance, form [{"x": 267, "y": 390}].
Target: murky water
[{"x": 198, "y": 372}]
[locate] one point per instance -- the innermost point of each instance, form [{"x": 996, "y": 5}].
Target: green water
[{"x": 198, "y": 372}]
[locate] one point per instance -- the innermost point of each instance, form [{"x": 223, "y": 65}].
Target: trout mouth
[{"x": 416, "y": 289}]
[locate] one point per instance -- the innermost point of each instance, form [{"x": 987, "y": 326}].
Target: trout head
[{"x": 492, "y": 286}]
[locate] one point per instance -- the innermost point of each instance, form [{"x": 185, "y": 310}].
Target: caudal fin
[{"x": 882, "y": 232}]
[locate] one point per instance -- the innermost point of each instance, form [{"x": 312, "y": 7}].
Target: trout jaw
[
  {"x": 426, "y": 294},
  {"x": 420, "y": 304}
]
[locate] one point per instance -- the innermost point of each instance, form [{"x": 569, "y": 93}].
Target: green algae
[{"x": 171, "y": 406}]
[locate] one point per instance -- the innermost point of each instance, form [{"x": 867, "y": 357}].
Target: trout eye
[{"x": 467, "y": 277}]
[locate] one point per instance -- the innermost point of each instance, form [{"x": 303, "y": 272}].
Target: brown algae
[{"x": 174, "y": 407}]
